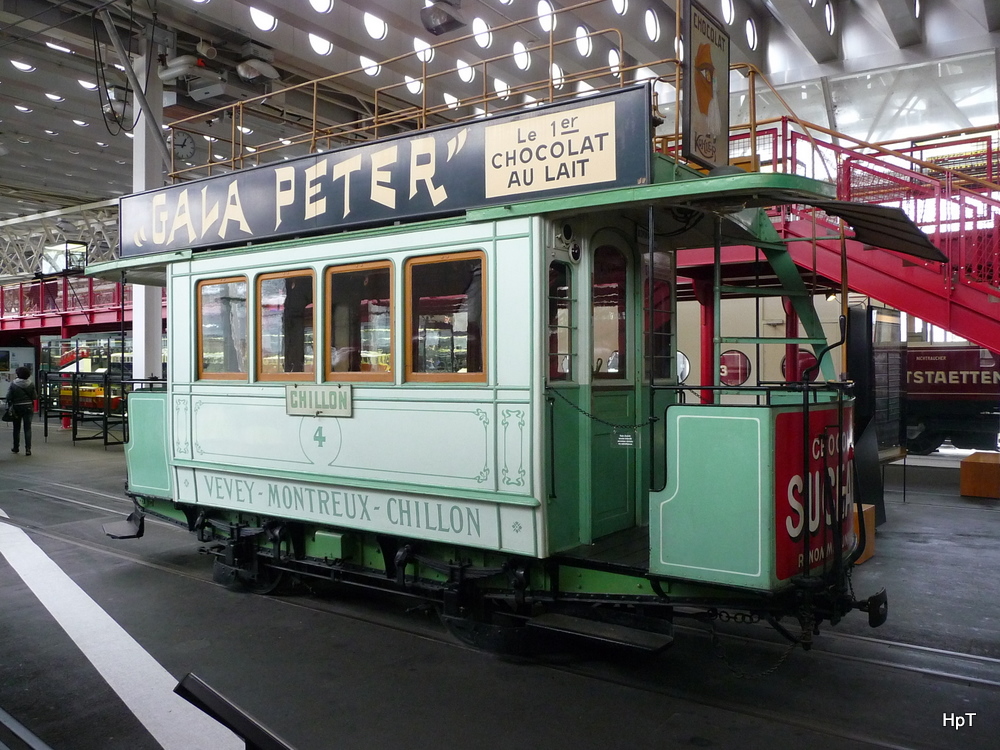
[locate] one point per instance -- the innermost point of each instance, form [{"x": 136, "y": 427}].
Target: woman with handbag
[{"x": 21, "y": 397}]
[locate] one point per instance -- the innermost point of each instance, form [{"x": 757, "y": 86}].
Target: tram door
[{"x": 613, "y": 393}]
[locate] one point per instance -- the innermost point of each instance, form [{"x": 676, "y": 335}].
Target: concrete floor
[{"x": 359, "y": 671}]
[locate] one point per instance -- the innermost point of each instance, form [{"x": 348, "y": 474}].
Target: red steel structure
[{"x": 64, "y": 306}]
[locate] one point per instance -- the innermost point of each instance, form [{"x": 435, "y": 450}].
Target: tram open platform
[{"x": 94, "y": 634}]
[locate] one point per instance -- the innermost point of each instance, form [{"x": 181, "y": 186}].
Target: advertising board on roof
[{"x": 592, "y": 143}]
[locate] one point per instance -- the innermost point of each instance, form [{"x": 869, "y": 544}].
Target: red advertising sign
[{"x": 812, "y": 512}]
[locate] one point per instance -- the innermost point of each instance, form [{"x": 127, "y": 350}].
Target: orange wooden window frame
[
  {"x": 202, "y": 375},
  {"x": 298, "y": 375},
  {"x": 446, "y": 377},
  {"x": 371, "y": 375}
]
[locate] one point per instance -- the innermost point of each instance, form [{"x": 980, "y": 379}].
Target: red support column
[
  {"x": 703, "y": 293},
  {"x": 792, "y": 373}
]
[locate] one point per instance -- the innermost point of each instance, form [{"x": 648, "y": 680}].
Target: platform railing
[
  {"x": 93, "y": 406},
  {"x": 959, "y": 211},
  {"x": 29, "y": 299}
]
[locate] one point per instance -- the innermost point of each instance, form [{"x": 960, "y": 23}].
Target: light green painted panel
[
  {"x": 713, "y": 520},
  {"x": 146, "y": 454},
  {"x": 513, "y": 333}
]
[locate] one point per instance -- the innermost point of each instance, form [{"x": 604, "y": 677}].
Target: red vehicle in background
[{"x": 952, "y": 393}]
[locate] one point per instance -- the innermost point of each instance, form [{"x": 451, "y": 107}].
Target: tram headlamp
[{"x": 442, "y": 16}]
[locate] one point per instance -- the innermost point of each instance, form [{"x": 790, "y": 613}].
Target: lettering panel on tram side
[
  {"x": 792, "y": 517},
  {"x": 957, "y": 372}
]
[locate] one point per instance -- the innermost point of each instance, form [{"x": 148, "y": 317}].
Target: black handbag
[{"x": 8, "y": 415}]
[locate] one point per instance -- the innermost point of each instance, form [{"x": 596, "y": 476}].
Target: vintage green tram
[{"x": 445, "y": 364}]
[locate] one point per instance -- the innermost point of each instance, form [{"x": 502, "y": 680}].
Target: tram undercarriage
[{"x": 497, "y": 601}]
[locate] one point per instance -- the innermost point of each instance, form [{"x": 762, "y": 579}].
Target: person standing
[{"x": 21, "y": 397}]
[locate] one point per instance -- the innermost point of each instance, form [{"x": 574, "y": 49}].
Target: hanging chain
[
  {"x": 605, "y": 422},
  {"x": 720, "y": 649}
]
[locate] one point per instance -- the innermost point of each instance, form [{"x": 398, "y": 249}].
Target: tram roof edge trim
[
  {"x": 723, "y": 194},
  {"x": 882, "y": 226},
  {"x": 148, "y": 270}
]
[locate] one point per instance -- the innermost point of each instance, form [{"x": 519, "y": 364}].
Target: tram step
[
  {"x": 610, "y": 633},
  {"x": 132, "y": 527}
]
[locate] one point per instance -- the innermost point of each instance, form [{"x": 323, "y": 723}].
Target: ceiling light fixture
[
  {"x": 263, "y": 20},
  {"x": 466, "y": 72},
  {"x": 425, "y": 53},
  {"x": 320, "y": 45},
  {"x": 442, "y": 16},
  {"x": 521, "y": 57},
  {"x": 546, "y": 16},
  {"x": 254, "y": 68},
  {"x": 483, "y": 35},
  {"x": 377, "y": 28}
]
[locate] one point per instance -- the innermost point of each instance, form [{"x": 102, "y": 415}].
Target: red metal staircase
[{"x": 959, "y": 211}]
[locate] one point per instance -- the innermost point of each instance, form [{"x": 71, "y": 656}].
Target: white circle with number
[{"x": 320, "y": 439}]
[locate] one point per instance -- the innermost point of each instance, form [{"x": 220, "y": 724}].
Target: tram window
[
  {"x": 359, "y": 329},
  {"x": 610, "y": 294},
  {"x": 445, "y": 323},
  {"x": 659, "y": 355},
  {"x": 285, "y": 326},
  {"x": 560, "y": 323},
  {"x": 222, "y": 329}
]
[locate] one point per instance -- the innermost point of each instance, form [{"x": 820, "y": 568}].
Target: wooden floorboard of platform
[{"x": 627, "y": 547}]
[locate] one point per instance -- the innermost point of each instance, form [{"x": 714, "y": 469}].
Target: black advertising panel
[
  {"x": 705, "y": 136},
  {"x": 593, "y": 143}
]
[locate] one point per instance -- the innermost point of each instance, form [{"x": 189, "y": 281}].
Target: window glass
[
  {"x": 609, "y": 298},
  {"x": 285, "y": 333},
  {"x": 446, "y": 318},
  {"x": 358, "y": 322},
  {"x": 222, "y": 325},
  {"x": 657, "y": 329},
  {"x": 560, "y": 323}
]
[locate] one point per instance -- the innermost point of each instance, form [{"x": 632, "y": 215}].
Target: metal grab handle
[{"x": 806, "y": 374}]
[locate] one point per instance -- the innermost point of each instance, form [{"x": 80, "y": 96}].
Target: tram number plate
[
  {"x": 318, "y": 400},
  {"x": 625, "y": 437}
]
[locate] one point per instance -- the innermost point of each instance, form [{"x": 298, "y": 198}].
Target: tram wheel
[
  {"x": 266, "y": 581},
  {"x": 925, "y": 443}
]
